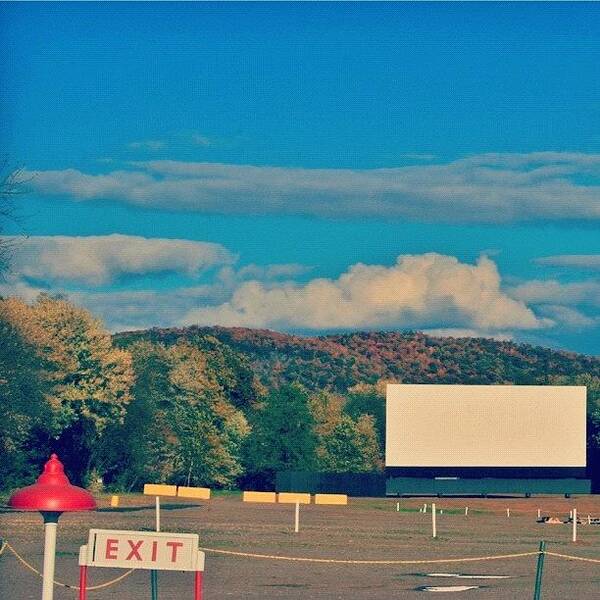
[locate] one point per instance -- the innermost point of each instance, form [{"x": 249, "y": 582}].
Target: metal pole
[
  {"x": 574, "y": 524},
  {"x": 50, "y": 525},
  {"x": 537, "y": 592},
  {"x": 297, "y": 518},
  {"x": 433, "y": 524},
  {"x": 154, "y": 584}
]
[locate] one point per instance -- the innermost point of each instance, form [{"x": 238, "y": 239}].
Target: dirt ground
[{"x": 365, "y": 529}]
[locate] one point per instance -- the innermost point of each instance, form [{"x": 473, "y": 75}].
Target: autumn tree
[
  {"x": 88, "y": 380},
  {"x": 366, "y": 399},
  {"x": 180, "y": 427},
  {"x": 208, "y": 428},
  {"x": 344, "y": 444}
]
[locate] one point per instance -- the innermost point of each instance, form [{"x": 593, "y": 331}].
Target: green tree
[
  {"x": 344, "y": 444},
  {"x": 23, "y": 407},
  {"x": 179, "y": 427},
  {"x": 350, "y": 447},
  {"x": 140, "y": 449},
  {"x": 364, "y": 399},
  {"x": 208, "y": 429},
  {"x": 282, "y": 437},
  {"x": 592, "y": 384}
]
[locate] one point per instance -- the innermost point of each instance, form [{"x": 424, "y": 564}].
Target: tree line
[
  {"x": 185, "y": 410},
  {"x": 191, "y": 412}
]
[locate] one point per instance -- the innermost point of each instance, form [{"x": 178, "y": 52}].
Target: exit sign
[{"x": 143, "y": 550}]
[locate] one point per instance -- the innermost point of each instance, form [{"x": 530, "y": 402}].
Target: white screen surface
[{"x": 481, "y": 425}]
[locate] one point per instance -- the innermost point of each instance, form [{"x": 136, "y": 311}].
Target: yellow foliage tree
[{"x": 89, "y": 380}]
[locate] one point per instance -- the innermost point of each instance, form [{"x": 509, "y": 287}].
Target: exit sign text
[{"x": 142, "y": 550}]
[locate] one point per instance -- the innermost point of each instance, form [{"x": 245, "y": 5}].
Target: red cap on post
[{"x": 52, "y": 492}]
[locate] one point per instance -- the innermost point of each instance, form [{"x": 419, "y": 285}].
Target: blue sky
[{"x": 310, "y": 167}]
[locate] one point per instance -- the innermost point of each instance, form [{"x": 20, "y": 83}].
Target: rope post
[
  {"x": 198, "y": 585},
  {"x": 83, "y": 573},
  {"x": 574, "y": 538},
  {"x": 433, "y": 523},
  {"x": 82, "y": 582},
  {"x": 537, "y": 592}
]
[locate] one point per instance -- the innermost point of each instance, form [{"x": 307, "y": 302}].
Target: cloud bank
[
  {"x": 489, "y": 188},
  {"x": 98, "y": 260},
  {"x": 424, "y": 290},
  {"x": 432, "y": 292}
]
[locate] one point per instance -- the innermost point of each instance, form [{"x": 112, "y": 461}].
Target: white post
[
  {"x": 397, "y": 506},
  {"x": 508, "y": 512},
  {"x": 49, "y": 556},
  {"x": 433, "y": 524},
  {"x": 425, "y": 507},
  {"x": 466, "y": 510},
  {"x": 157, "y": 513},
  {"x": 570, "y": 514},
  {"x": 589, "y": 520},
  {"x": 297, "y": 518},
  {"x": 539, "y": 514},
  {"x": 574, "y": 524}
]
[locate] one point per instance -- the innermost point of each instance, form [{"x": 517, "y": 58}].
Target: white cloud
[
  {"x": 201, "y": 140},
  {"x": 97, "y": 260},
  {"x": 128, "y": 310},
  {"x": 423, "y": 290},
  {"x": 147, "y": 145},
  {"x": 569, "y": 317},
  {"x": 578, "y": 261},
  {"x": 464, "y": 333},
  {"x": 553, "y": 292},
  {"x": 485, "y": 188}
]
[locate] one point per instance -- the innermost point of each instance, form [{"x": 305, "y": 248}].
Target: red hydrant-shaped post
[{"x": 51, "y": 495}]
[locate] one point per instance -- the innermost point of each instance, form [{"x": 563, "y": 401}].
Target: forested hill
[{"x": 337, "y": 362}]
